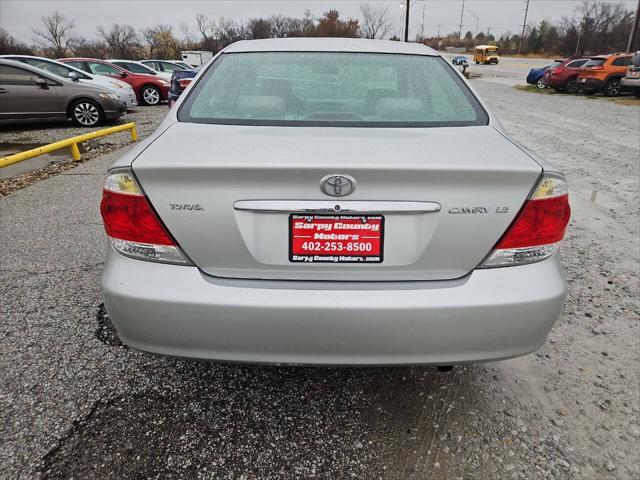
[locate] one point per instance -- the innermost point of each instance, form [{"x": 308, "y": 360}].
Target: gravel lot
[{"x": 77, "y": 404}]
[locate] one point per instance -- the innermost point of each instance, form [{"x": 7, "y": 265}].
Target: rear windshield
[
  {"x": 555, "y": 64},
  {"x": 331, "y": 89},
  {"x": 594, "y": 62}
]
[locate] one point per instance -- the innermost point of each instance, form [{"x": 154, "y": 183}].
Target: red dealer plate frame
[{"x": 339, "y": 244}]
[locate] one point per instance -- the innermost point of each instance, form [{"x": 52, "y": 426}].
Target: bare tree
[
  {"x": 121, "y": 39},
  {"x": 308, "y": 23},
  {"x": 83, "y": 47},
  {"x": 55, "y": 34},
  {"x": 279, "y": 26},
  {"x": 258, "y": 28},
  {"x": 375, "y": 21},
  {"x": 228, "y": 31},
  {"x": 188, "y": 40},
  {"x": 207, "y": 29},
  {"x": 8, "y": 44},
  {"x": 160, "y": 42}
]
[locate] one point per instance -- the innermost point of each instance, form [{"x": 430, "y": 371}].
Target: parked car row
[
  {"x": 609, "y": 74},
  {"x": 89, "y": 91}
]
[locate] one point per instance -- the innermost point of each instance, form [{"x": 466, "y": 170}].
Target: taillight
[
  {"x": 132, "y": 225},
  {"x": 556, "y": 71},
  {"x": 537, "y": 230},
  {"x": 184, "y": 82},
  {"x": 597, "y": 67}
]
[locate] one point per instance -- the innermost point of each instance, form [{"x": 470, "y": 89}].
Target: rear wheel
[
  {"x": 571, "y": 86},
  {"x": 612, "y": 88},
  {"x": 86, "y": 113},
  {"x": 540, "y": 84},
  {"x": 150, "y": 95}
]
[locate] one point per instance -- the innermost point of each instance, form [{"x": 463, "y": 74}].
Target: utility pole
[
  {"x": 424, "y": 5},
  {"x": 402, "y": 19},
  {"x": 579, "y": 37},
  {"x": 634, "y": 29},
  {"x": 406, "y": 21},
  {"x": 488, "y": 32},
  {"x": 524, "y": 25},
  {"x": 461, "y": 17}
]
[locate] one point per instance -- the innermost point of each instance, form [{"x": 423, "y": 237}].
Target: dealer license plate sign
[{"x": 336, "y": 238}]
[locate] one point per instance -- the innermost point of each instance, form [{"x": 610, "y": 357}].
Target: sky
[{"x": 19, "y": 17}]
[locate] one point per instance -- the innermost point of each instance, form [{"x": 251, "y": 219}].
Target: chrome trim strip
[{"x": 336, "y": 206}]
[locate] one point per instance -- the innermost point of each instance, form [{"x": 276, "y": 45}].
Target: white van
[{"x": 196, "y": 57}]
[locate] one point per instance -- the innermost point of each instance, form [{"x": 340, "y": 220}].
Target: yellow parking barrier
[{"x": 71, "y": 143}]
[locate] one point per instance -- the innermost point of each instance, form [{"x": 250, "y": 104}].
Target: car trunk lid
[{"x": 444, "y": 195}]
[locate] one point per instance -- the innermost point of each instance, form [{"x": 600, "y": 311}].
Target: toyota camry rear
[{"x": 333, "y": 201}]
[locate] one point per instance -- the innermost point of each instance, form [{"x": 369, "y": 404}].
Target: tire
[
  {"x": 477, "y": 62},
  {"x": 636, "y": 92},
  {"x": 150, "y": 95},
  {"x": 571, "y": 86},
  {"x": 612, "y": 88},
  {"x": 540, "y": 84},
  {"x": 86, "y": 113}
]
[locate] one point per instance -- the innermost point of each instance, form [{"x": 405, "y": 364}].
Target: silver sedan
[{"x": 333, "y": 201}]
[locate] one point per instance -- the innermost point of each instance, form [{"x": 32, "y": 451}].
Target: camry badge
[{"x": 337, "y": 185}]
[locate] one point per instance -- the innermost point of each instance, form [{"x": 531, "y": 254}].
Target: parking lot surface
[{"x": 76, "y": 403}]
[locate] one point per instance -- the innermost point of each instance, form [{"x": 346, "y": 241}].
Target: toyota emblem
[{"x": 337, "y": 185}]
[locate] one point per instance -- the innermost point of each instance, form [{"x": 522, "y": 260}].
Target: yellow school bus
[{"x": 485, "y": 54}]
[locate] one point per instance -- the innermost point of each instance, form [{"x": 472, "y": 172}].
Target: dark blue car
[
  {"x": 178, "y": 83},
  {"x": 536, "y": 74}
]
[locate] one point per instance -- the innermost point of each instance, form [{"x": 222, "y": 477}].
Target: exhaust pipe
[{"x": 445, "y": 368}]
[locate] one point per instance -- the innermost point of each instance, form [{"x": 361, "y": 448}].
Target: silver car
[
  {"x": 166, "y": 66},
  {"x": 30, "y": 93},
  {"x": 333, "y": 201}
]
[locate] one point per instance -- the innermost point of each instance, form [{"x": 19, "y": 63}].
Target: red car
[
  {"x": 150, "y": 90},
  {"x": 563, "y": 78}
]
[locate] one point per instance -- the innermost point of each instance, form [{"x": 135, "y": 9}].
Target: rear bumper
[
  {"x": 630, "y": 82},
  {"x": 178, "y": 311},
  {"x": 554, "y": 80}
]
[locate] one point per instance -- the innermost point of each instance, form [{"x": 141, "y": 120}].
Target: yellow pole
[
  {"x": 75, "y": 152},
  {"x": 71, "y": 143}
]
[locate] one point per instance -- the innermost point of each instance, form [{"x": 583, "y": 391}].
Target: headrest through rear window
[
  {"x": 400, "y": 109},
  {"x": 261, "y": 107}
]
